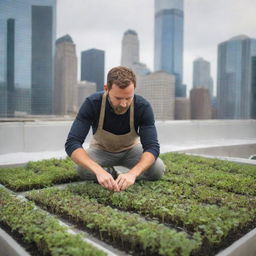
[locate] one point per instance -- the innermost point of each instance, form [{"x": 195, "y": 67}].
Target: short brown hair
[{"x": 121, "y": 76}]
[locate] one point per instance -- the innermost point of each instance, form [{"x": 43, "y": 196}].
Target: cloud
[{"x": 101, "y": 24}]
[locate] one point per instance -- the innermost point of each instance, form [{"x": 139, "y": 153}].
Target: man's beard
[{"x": 118, "y": 110}]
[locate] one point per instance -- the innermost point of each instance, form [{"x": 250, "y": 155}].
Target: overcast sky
[{"x": 101, "y": 24}]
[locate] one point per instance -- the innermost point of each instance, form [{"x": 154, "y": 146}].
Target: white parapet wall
[
  {"x": 35, "y": 136},
  {"x": 173, "y": 132},
  {"x": 40, "y": 136}
]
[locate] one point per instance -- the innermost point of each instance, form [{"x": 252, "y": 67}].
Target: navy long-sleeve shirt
[{"x": 88, "y": 116}]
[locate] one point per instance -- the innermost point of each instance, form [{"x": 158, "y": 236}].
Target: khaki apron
[{"x": 111, "y": 142}]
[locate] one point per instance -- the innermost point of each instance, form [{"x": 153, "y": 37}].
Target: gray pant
[{"x": 122, "y": 163}]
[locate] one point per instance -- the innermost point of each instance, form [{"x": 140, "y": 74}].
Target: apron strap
[
  {"x": 102, "y": 110},
  {"x": 132, "y": 116}
]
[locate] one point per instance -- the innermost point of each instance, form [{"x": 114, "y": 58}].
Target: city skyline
[{"x": 207, "y": 23}]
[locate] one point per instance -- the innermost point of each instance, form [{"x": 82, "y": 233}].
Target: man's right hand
[
  {"x": 106, "y": 180},
  {"x": 81, "y": 158}
]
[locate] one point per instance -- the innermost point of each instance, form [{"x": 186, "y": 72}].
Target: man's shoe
[{"x": 111, "y": 170}]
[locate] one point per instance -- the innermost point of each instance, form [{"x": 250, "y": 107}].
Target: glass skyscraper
[
  {"x": 234, "y": 83},
  {"x": 27, "y": 38},
  {"x": 253, "y": 94},
  {"x": 169, "y": 26},
  {"x": 93, "y": 67}
]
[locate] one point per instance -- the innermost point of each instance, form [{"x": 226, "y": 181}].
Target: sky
[{"x": 101, "y": 24}]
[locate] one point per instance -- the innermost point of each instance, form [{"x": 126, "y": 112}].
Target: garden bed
[
  {"x": 39, "y": 174},
  {"x": 39, "y": 232},
  {"x": 200, "y": 207}
]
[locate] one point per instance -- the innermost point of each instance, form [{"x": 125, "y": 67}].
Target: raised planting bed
[
  {"x": 39, "y": 174},
  {"x": 126, "y": 230},
  {"x": 200, "y": 207},
  {"x": 39, "y": 232}
]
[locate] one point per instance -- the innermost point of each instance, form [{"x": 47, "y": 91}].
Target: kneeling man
[{"x": 124, "y": 134}]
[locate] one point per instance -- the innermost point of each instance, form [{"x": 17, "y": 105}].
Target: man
[{"x": 124, "y": 134}]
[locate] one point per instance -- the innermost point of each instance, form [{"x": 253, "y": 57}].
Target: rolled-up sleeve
[
  {"x": 80, "y": 128},
  {"x": 148, "y": 133}
]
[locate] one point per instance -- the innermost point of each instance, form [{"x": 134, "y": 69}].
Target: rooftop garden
[{"x": 199, "y": 207}]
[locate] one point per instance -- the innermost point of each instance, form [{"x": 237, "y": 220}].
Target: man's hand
[
  {"x": 106, "y": 180},
  {"x": 125, "y": 180}
]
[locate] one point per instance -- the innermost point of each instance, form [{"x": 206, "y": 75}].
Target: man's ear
[{"x": 105, "y": 87}]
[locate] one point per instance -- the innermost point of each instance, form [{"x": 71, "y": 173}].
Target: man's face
[{"x": 121, "y": 99}]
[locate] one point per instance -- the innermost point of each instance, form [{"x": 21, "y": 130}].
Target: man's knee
[
  {"x": 85, "y": 174},
  {"x": 158, "y": 169},
  {"x": 155, "y": 172}
]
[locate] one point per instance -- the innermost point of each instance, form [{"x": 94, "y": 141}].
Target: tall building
[
  {"x": 234, "y": 85},
  {"x": 93, "y": 67},
  {"x": 169, "y": 27},
  {"x": 130, "y": 56},
  {"x": 27, "y": 36},
  {"x": 65, "y": 76},
  {"x": 253, "y": 94},
  {"x": 159, "y": 89},
  {"x": 202, "y": 75},
  {"x": 130, "y": 48},
  {"x": 200, "y": 104}
]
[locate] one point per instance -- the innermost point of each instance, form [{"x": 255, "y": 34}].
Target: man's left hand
[{"x": 125, "y": 180}]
